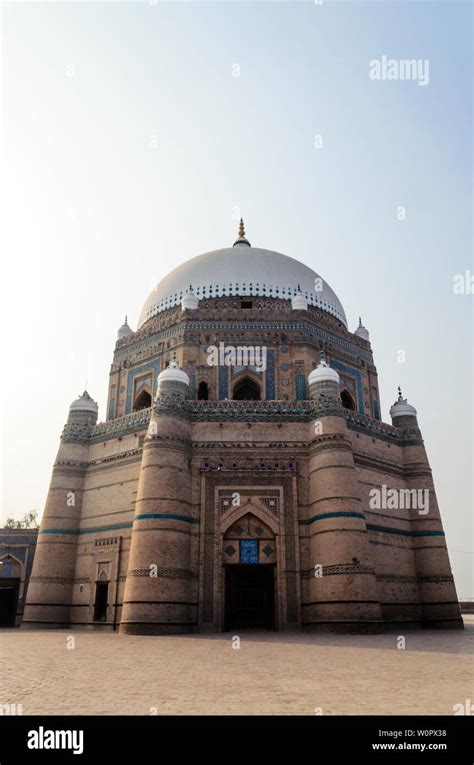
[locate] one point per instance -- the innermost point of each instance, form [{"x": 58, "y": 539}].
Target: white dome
[
  {"x": 241, "y": 270},
  {"x": 362, "y": 331},
  {"x": 84, "y": 404},
  {"x": 173, "y": 373},
  {"x": 124, "y": 330},
  {"x": 323, "y": 373},
  {"x": 299, "y": 302},
  {"x": 401, "y": 408},
  {"x": 189, "y": 301}
]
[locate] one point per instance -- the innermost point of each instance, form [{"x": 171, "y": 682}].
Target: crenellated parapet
[
  {"x": 244, "y": 411},
  {"x": 129, "y": 423}
]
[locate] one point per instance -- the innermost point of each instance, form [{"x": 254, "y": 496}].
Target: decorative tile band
[
  {"x": 172, "y": 516},
  {"x": 166, "y": 573},
  {"x": 404, "y": 532},
  {"x": 371, "y": 526},
  {"x": 93, "y": 530},
  {"x": 248, "y": 411},
  {"x": 306, "y": 522},
  {"x": 227, "y": 326},
  {"x": 323, "y": 516}
]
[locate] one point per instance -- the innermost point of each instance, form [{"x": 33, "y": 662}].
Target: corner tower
[
  {"x": 159, "y": 593},
  {"x": 51, "y": 584},
  {"x": 438, "y": 600},
  {"x": 343, "y": 590}
]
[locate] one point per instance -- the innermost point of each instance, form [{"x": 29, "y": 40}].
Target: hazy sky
[{"x": 130, "y": 145}]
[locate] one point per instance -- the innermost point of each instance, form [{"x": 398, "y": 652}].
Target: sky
[{"x": 134, "y": 135}]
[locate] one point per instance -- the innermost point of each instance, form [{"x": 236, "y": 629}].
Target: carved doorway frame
[{"x": 212, "y": 530}]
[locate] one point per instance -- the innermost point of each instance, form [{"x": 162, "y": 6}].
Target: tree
[{"x": 29, "y": 521}]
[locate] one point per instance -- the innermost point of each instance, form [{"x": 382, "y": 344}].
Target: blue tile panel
[
  {"x": 300, "y": 381},
  {"x": 249, "y": 550},
  {"x": 376, "y": 409},
  {"x": 136, "y": 372},
  {"x": 270, "y": 375},
  {"x": 192, "y": 386},
  {"x": 111, "y": 414},
  {"x": 223, "y": 382},
  {"x": 358, "y": 378}
]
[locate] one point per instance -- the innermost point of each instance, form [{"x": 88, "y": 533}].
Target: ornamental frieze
[
  {"x": 245, "y": 411},
  {"x": 74, "y": 432},
  {"x": 166, "y": 573},
  {"x": 339, "y": 569}
]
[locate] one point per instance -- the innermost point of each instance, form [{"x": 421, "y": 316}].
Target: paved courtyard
[{"x": 270, "y": 673}]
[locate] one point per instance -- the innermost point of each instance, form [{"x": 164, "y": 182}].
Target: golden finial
[{"x": 241, "y": 229}]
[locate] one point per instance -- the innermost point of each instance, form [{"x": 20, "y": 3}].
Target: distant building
[
  {"x": 17, "y": 550},
  {"x": 243, "y": 476}
]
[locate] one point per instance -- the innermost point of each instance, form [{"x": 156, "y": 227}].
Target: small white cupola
[
  {"x": 401, "y": 408},
  {"x": 361, "y": 331},
  {"x": 124, "y": 330},
  {"x": 298, "y": 301},
  {"x": 189, "y": 301},
  {"x": 323, "y": 373}
]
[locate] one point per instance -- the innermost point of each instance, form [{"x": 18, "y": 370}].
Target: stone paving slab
[{"x": 271, "y": 673}]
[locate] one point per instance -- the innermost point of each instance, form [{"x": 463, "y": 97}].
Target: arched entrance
[
  {"x": 246, "y": 390},
  {"x": 10, "y": 580},
  {"x": 249, "y": 551},
  {"x": 101, "y": 598}
]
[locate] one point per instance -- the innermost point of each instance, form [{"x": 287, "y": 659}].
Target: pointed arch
[
  {"x": 143, "y": 401},
  {"x": 347, "y": 400},
  {"x": 246, "y": 388},
  {"x": 254, "y": 507},
  {"x": 16, "y": 566}
]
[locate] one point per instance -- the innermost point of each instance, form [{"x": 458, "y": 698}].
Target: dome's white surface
[
  {"x": 299, "y": 302},
  {"x": 323, "y": 373},
  {"x": 124, "y": 330},
  {"x": 189, "y": 301},
  {"x": 84, "y": 404},
  {"x": 245, "y": 271},
  {"x": 402, "y": 409},
  {"x": 362, "y": 331},
  {"x": 174, "y": 373}
]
